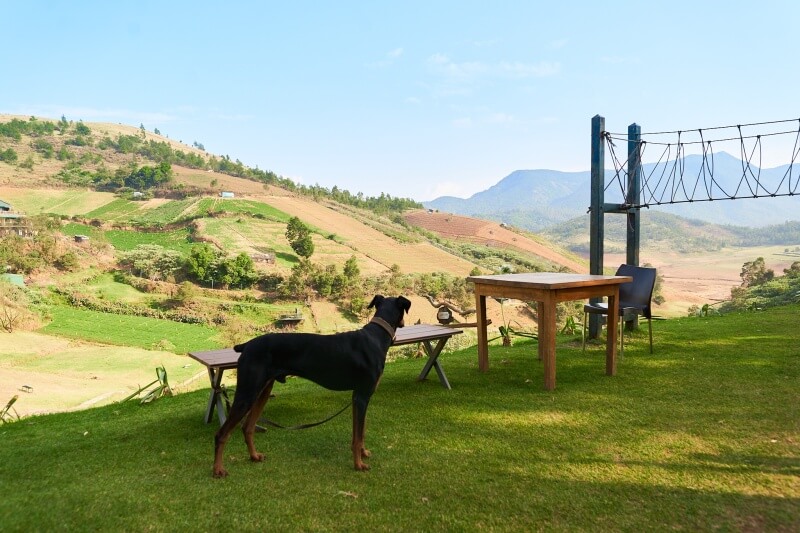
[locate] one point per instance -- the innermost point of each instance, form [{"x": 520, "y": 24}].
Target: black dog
[{"x": 344, "y": 361}]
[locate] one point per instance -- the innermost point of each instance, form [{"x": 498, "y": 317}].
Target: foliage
[
  {"x": 81, "y": 300},
  {"x": 16, "y": 128},
  {"x": 161, "y": 389},
  {"x": 8, "y": 413},
  {"x": 755, "y": 273},
  {"x": 147, "y": 177},
  {"x": 82, "y": 129},
  {"x": 199, "y": 264},
  {"x": 68, "y": 262},
  {"x": 299, "y": 237},
  {"x": 16, "y": 311},
  {"x": 760, "y": 288},
  {"x": 793, "y": 271},
  {"x": 152, "y": 261},
  {"x": 9, "y": 155},
  {"x": 23, "y": 256},
  {"x": 208, "y": 266},
  {"x": 43, "y": 147}
]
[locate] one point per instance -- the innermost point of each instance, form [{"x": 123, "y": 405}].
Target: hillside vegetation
[{"x": 154, "y": 217}]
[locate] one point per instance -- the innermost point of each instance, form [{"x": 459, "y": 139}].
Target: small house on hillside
[
  {"x": 12, "y": 222},
  {"x": 226, "y": 194}
]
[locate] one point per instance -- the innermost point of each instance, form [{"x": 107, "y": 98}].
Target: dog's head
[{"x": 391, "y": 309}]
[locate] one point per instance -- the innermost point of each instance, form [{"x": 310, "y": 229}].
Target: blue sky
[{"x": 415, "y": 99}]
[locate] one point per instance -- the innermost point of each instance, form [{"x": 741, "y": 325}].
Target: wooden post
[{"x": 596, "y": 232}]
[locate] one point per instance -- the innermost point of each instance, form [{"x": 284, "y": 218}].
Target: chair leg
[{"x": 585, "y": 320}]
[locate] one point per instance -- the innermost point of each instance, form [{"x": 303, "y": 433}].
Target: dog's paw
[
  {"x": 220, "y": 472},
  {"x": 365, "y": 452},
  {"x": 362, "y": 467},
  {"x": 257, "y": 457}
]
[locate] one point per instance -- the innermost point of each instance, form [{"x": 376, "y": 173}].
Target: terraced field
[
  {"x": 416, "y": 257},
  {"x": 489, "y": 234}
]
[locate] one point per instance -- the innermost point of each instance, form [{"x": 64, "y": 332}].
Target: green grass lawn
[
  {"x": 126, "y": 330},
  {"x": 702, "y": 435}
]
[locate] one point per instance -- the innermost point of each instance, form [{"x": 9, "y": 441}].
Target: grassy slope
[{"x": 701, "y": 435}]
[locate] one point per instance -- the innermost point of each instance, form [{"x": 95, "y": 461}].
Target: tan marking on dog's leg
[
  {"x": 249, "y": 427},
  {"x": 220, "y": 439},
  {"x": 358, "y": 442}
]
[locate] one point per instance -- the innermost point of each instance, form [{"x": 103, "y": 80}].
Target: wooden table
[
  {"x": 218, "y": 361},
  {"x": 547, "y": 289}
]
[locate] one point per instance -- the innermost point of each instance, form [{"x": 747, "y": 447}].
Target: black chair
[{"x": 634, "y": 299}]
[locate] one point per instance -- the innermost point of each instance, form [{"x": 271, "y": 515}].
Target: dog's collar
[{"x": 385, "y": 325}]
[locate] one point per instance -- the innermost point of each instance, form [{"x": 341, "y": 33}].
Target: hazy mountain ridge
[{"x": 536, "y": 199}]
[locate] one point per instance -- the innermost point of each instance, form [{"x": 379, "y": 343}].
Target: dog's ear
[
  {"x": 403, "y": 303},
  {"x": 376, "y": 301}
]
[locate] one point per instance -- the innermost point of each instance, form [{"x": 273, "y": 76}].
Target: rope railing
[{"x": 671, "y": 179}]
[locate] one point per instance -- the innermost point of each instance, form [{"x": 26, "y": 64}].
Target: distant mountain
[{"x": 536, "y": 199}]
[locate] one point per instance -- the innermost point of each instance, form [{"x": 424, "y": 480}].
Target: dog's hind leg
[
  {"x": 249, "y": 426},
  {"x": 360, "y": 403},
  {"x": 237, "y": 412}
]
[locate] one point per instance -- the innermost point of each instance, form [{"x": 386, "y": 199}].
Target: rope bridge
[{"x": 684, "y": 168}]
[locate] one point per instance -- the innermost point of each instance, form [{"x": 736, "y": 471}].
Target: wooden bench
[{"x": 218, "y": 361}]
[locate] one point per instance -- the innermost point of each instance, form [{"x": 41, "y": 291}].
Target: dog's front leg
[
  {"x": 249, "y": 427},
  {"x": 360, "y": 403}
]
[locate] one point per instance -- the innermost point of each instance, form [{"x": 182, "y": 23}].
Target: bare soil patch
[
  {"x": 66, "y": 375},
  {"x": 489, "y": 234},
  {"x": 702, "y": 278}
]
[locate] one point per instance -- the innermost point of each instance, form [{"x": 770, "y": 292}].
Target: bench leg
[{"x": 433, "y": 362}]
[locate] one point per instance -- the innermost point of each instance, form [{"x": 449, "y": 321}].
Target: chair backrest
[{"x": 639, "y": 292}]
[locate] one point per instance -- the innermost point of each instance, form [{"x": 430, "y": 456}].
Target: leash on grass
[
  {"x": 305, "y": 426},
  {"x": 269, "y": 422}
]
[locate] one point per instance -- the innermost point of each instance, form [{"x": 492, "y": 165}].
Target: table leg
[
  {"x": 547, "y": 342},
  {"x": 483, "y": 338},
  {"x": 540, "y": 313},
  {"x": 433, "y": 361},
  {"x": 215, "y": 400},
  {"x": 611, "y": 332}
]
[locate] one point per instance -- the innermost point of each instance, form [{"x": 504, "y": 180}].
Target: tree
[
  {"x": 237, "y": 273},
  {"x": 351, "y": 270},
  {"x": 198, "y": 265},
  {"x": 793, "y": 271},
  {"x": 9, "y": 155},
  {"x": 299, "y": 237},
  {"x": 82, "y": 129},
  {"x": 755, "y": 273}
]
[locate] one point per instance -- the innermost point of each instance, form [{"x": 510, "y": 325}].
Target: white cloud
[
  {"x": 501, "y": 118},
  {"x": 471, "y": 70},
  {"x": 388, "y": 59},
  {"x": 541, "y": 69}
]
